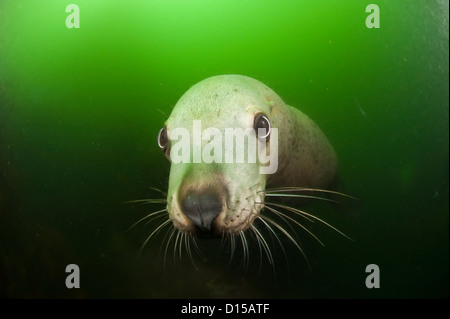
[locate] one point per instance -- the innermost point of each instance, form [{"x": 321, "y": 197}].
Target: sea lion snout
[
  {"x": 201, "y": 198},
  {"x": 201, "y": 208}
]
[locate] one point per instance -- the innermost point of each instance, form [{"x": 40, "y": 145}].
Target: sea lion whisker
[
  {"x": 153, "y": 219},
  {"x": 175, "y": 246},
  {"x": 250, "y": 196},
  {"x": 153, "y": 233},
  {"x": 246, "y": 250},
  {"x": 232, "y": 246},
  {"x": 256, "y": 184},
  {"x": 164, "y": 239},
  {"x": 296, "y": 222},
  {"x": 303, "y": 213},
  {"x": 265, "y": 246},
  {"x": 180, "y": 246},
  {"x": 299, "y": 196},
  {"x": 281, "y": 215},
  {"x": 243, "y": 249},
  {"x": 255, "y": 236},
  {"x": 197, "y": 248},
  {"x": 288, "y": 236},
  {"x": 187, "y": 245},
  {"x": 167, "y": 245},
  {"x": 147, "y": 216},
  {"x": 158, "y": 190},
  {"x": 223, "y": 240},
  {"x": 188, "y": 250},
  {"x": 233, "y": 240},
  {"x": 147, "y": 201},
  {"x": 162, "y": 112},
  {"x": 305, "y": 189},
  {"x": 271, "y": 231},
  {"x": 270, "y": 203}
]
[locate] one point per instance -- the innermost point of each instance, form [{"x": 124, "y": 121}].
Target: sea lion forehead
[{"x": 223, "y": 97}]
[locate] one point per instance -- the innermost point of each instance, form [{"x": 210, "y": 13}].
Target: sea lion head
[{"x": 217, "y": 188}]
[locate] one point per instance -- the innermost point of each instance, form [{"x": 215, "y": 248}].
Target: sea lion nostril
[{"x": 201, "y": 209}]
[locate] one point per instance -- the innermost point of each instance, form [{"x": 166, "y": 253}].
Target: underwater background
[{"x": 80, "y": 110}]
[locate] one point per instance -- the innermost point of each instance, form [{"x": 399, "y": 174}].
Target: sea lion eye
[
  {"x": 262, "y": 122},
  {"x": 163, "y": 140}
]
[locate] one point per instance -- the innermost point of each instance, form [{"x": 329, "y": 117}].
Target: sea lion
[{"x": 222, "y": 198}]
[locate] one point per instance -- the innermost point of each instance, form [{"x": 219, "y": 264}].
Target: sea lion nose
[{"x": 201, "y": 208}]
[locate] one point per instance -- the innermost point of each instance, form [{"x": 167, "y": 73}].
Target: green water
[{"x": 80, "y": 110}]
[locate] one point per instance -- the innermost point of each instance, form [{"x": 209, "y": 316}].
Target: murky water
[{"x": 80, "y": 110}]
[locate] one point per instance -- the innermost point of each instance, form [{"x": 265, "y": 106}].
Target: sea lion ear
[
  {"x": 262, "y": 127},
  {"x": 163, "y": 141}
]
